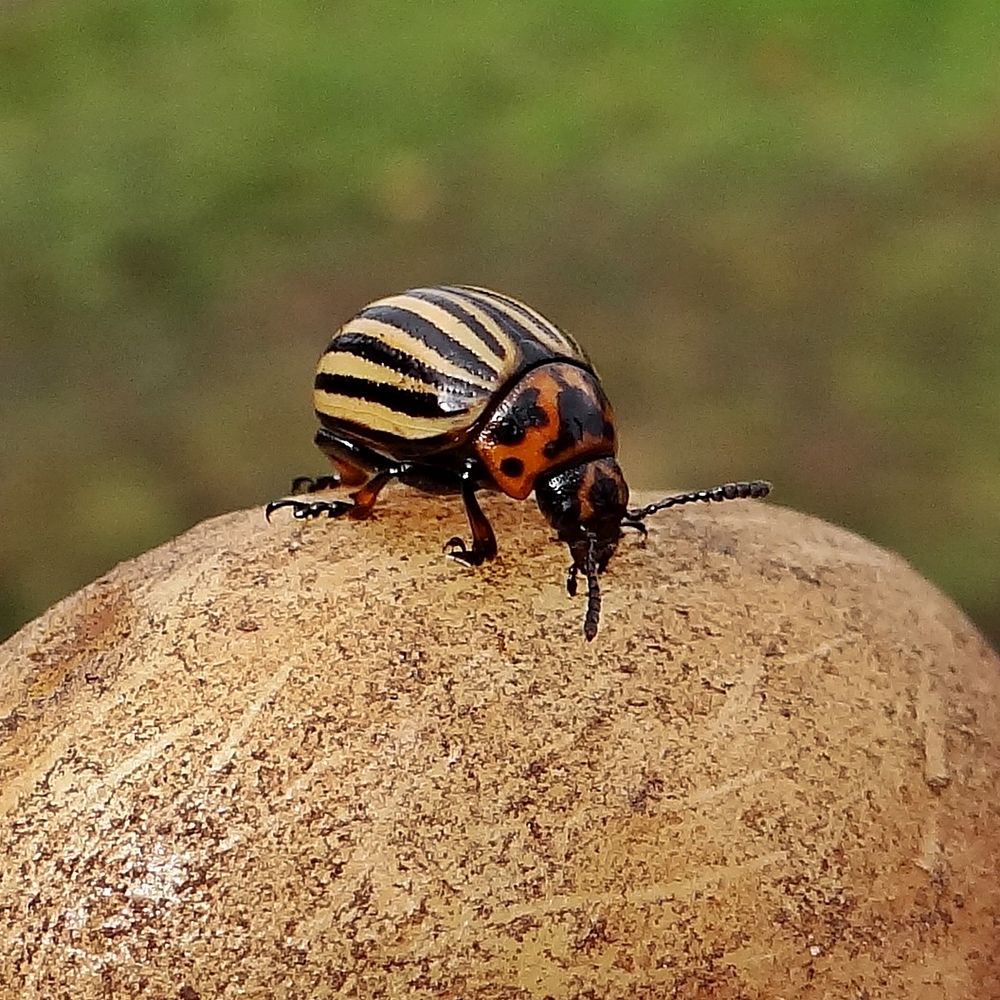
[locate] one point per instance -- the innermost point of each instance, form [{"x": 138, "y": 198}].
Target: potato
[{"x": 318, "y": 760}]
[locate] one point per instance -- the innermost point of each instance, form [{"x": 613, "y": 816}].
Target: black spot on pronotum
[
  {"x": 512, "y": 467},
  {"x": 524, "y": 413},
  {"x": 580, "y": 416}
]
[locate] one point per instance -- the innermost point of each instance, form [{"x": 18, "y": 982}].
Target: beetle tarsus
[{"x": 303, "y": 509}]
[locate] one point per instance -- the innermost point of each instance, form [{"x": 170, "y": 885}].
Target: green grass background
[{"x": 774, "y": 225}]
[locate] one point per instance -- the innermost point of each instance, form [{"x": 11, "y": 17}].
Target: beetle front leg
[{"x": 484, "y": 542}]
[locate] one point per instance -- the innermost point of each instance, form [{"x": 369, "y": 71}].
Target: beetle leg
[
  {"x": 364, "y": 499},
  {"x": 571, "y": 580},
  {"x": 484, "y": 542}
]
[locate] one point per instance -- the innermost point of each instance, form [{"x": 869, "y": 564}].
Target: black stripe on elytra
[
  {"x": 434, "y": 337},
  {"x": 406, "y": 401},
  {"x": 364, "y": 345},
  {"x": 463, "y": 316},
  {"x": 522, "y": 310},
  {"x": 532, "y": 349}
]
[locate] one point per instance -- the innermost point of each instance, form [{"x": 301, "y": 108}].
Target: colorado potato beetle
[{"x": 454, "y": 389}]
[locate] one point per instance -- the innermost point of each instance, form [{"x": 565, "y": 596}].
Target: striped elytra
[
  {"x": 456, "y": 389},
  {"x": 426, "y": 364}
]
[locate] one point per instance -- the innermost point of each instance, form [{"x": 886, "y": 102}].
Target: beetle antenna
[
  {"x": 727, "y": 491},
  {"x": 593, "y": 589}
]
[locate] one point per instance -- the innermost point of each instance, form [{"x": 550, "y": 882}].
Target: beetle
[{"x": 457, "y": 388}]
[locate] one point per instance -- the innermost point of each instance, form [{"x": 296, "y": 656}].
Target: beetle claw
[
  {"x": 455, "y": 548},
  {"x": 460, "y": 551},
  {"x": 272, "y": 507}
]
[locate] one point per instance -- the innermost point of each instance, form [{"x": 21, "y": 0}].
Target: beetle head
[{"x": 585, "y": 503}]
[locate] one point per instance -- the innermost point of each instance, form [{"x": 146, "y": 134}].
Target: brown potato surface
[{"x": 322, "y": 760}]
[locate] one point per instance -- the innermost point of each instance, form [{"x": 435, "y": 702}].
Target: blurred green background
[{"x": 774, "y": 225}]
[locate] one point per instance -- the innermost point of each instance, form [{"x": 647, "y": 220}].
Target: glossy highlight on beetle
[{"x": 456, "y": 389}]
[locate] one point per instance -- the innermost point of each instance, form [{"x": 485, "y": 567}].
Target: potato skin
[{"x": 319, "y": 760}]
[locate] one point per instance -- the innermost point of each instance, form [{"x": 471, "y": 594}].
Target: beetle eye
[
  {"x": 558, "y": 499},
  {"x": 607, "y": 495}
]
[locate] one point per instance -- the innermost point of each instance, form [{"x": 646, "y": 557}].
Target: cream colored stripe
[
  {"x": 355, "y": 366},
  {"x": 417, "y": 349},
  {"x": 492, "y": 326},
  {"x": 379, "y": 417},
  {"x": 448, "y": 325},
  {"x": 385, "y": 420}
]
